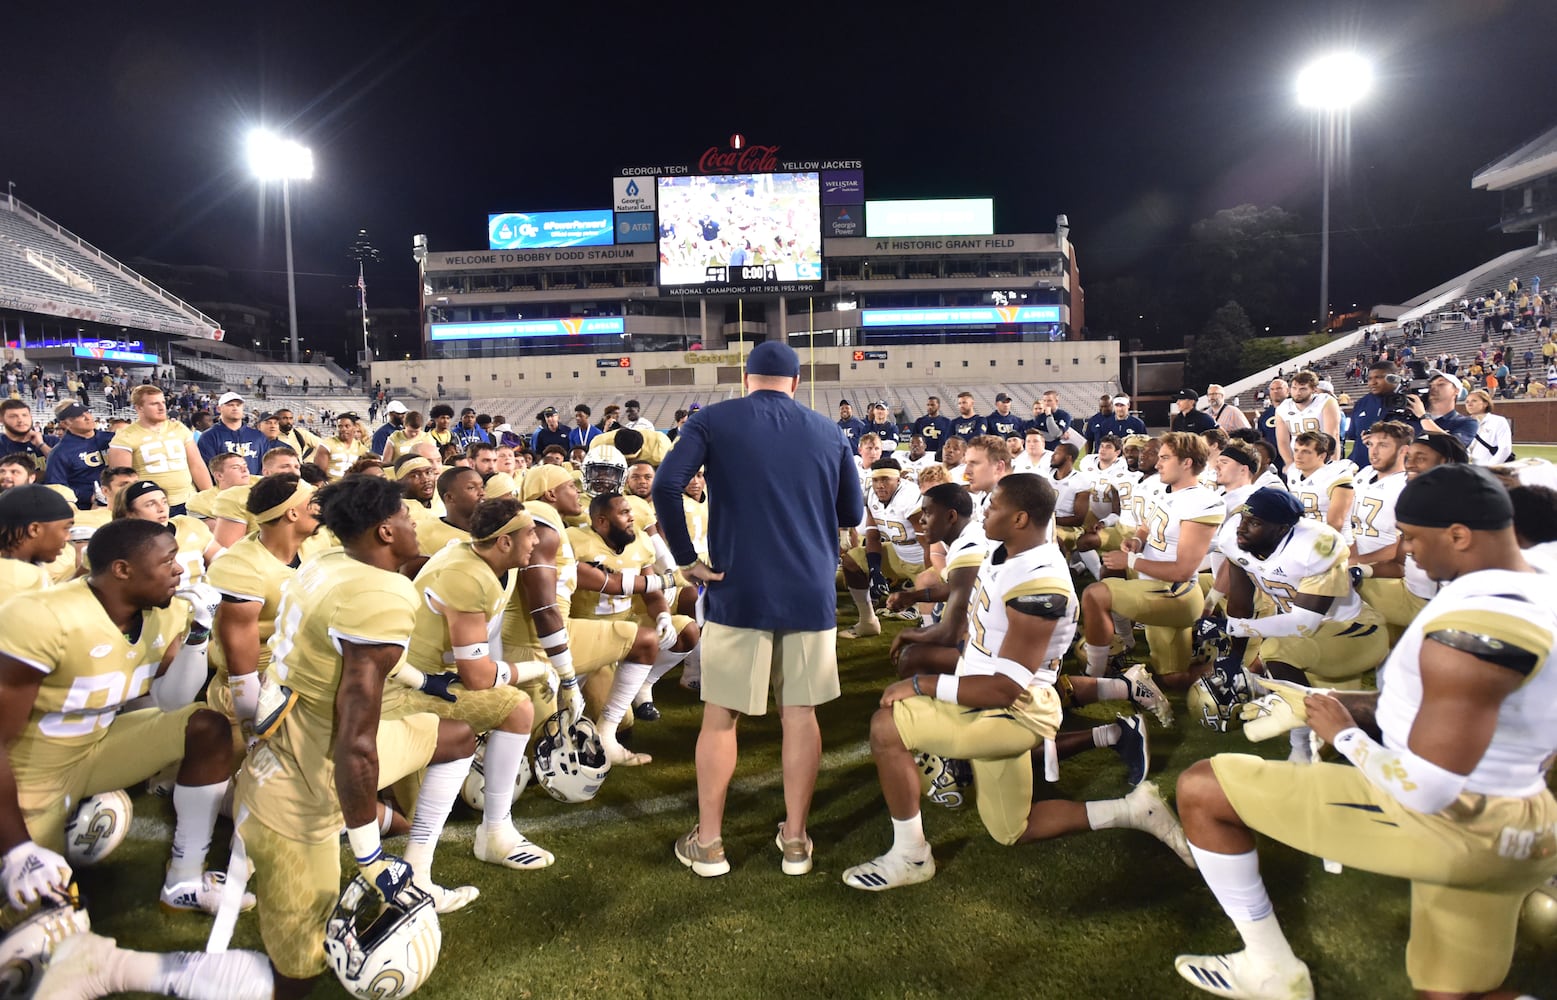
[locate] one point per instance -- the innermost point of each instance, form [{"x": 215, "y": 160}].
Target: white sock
[
  {"x": 195, "y": 808},
  {"x": 245, "y": 691},
  {"x": 1090, "y": 560},
  {"x": 1097, "y": 660},
  {"x": 1105, "y": 736},
  {"x": 1234, "y": 879},
  {"x": 505, "y": 755},
  {"x": 1112, "y": 689},
  {"x": 629, "y": 678},
  {"x": 1106, "y": 814},
  {"x": 1124, "y": 628},
  {"x": 663, "y": 664},
  {"x": 197, "y": 975},
  {"x": 439, "y": 790},
  {"x": 908, "y": 836},
  {"x": 862, "y": 603}
]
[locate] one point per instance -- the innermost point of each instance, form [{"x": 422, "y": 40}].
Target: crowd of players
[{"x": 328, "y": 638}]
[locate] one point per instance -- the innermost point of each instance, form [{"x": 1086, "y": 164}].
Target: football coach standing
[{"x": 781, "y": 482}]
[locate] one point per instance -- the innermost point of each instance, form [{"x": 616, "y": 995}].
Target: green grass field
[
  {"x": 1546, "y": 451},
  {"x": 1101, "y": 915}
]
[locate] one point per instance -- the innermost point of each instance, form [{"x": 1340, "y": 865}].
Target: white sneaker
[
  {"x": 511, "y": 849},
  {"x": 202, "y": 895},
  {"x": 890, "y": 871},
  {"x": 862, "y": 629},
  {"x": 447, "y": 900},
  {"x": 1145, "y": 693},
  {"x": 77, "y": 968},
  {"x": 1150, "y": 814},
  {"x": 1241, "y": 977}
]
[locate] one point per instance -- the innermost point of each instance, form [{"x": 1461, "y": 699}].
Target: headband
[
  {"x": 885, "y": 474},
  {"x": 300, "y": 494},
  {"x": 518, "y": 522},
  {"x": 414, "y": 465}
]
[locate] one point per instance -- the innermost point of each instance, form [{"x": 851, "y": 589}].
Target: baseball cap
[
  {"x": 265, "y": 416},
  {"x": 33, "y": 504},
  {"x": 1122, "y": 399},
  {"x": 1273, "y": 506},
  {"x": 547, "y": 412},
  {"x": 694, "y": 407},
  {"x": 1459, "y": 387},
  {"x": 881, "y": 403},
  {"x": 773, "y": 358},
  {"x": 1001, "y": 397},
  {"x": 348, "y": 415},
  {"x": 503, "y": 429},
  {"x": 1189, "y": 394},
  {"x": 844, "y": 402},
  {"x": 1455, "y": 494},
  {"x": 468, "y": 411},
  {"x": 70, "y": 411},
  {"x": 229, "y": 397},
  {"x": 395, "y": 406}
]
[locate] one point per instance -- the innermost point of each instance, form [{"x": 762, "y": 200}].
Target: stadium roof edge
[{"x": 1530, "y": 160}]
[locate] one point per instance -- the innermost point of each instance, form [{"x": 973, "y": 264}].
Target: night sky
[{"x": 1135, "y": 119}]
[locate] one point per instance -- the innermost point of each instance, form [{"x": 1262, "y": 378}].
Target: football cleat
[
  {"x": 382, "y": 948},
  {"x": 511, "y": 849},
  {"x": 1133, "y": 749},
  {"x": 890, "y": 871},
  {"x": 861, "y": 630},
  {"x": 1150, "y": 814},
  {"x": 944, "y": 781},
  {"x": 447, "y": 899},
  {"x": 275, "y": 704},
  {"x": 1240, "y": 977},
  {"x": 28, "y": 946},
  {"x": 202, "y": 895},
  {"x": 1145, "y": 694},
  {"x": 98, "y": 825},
  {"x": 77, "y": 968},
  {"x": 705, "y": 860},
  {"x": 161, "y": 784},
  {"x": 909, "y": 614},
  {"x": 646, "y": 712}
]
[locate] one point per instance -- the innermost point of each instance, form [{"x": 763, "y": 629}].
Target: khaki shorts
[
  {"x": 994, "y": 742},
  {"x": 1338, "y": 652},
  {"x": 1155, "y": 602},
  {"x": 296, "y": 882},
  {"x": 1390, "y": 598},
  {"x": 1467, "y": 885},
  {"x": 135, "y": 746},
  {"x": 1111, "y": 538},
  {"x": 893, "y": 566},
  {"x": 739, "y": 663}
]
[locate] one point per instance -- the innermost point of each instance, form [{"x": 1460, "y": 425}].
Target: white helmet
[
  {"x": 570, "y": 763},
  {"x": 30, "y": 943},
  {"x": 474, "y": 789},
  {"x": 98, "y": 825},
  {"x": 395, "y": 953},
  {"x": 1215, "y": 699},
  {"x": 605, "y": 469}
]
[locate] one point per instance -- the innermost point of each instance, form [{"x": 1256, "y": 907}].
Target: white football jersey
[
  {"x": 1315, "y": 490},
  {"x": 1072, "y": 486},
  {"x": 895, "y": 520},
  {"x": 968, "y": 549},
  {"x": 1300, "y": 419},
  {"x": 1506, "y": 611},
  {"x": 1036, "y": 573},
  {"x": 1223, "y": 539},
  {"x": 1373, "y": 513},
  {"x": 1118, "y": 479},
  {"x": 1026, "y": 463},
  {"x": 1168, "y": 513},
  {"x": 1310, "y": 560},
  {"x": 1145, "y": 494}
]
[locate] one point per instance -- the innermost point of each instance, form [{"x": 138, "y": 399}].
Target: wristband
[
  {"x": 555, "y": 639},
  {"x": 365, "y": 844},
  {"x": 916, "y": 685},
  {"x": 505, "y": 673},
  {"x": 1215, "y": 597},
  {"x": 653, "y": 583},
  {"x": 946, "y": 687},
  {"x": 1130, "y": 559},
  {"x": 562, "y": 663},
  {"x": 629, "y": 582},
  {"x": 474, "y": 651}
]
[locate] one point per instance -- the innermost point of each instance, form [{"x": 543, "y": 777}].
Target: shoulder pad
[
  {"x": 1485, "y": 647},
  {"x": 1041, "y": 605}
]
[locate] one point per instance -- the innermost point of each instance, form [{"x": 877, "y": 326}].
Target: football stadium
[{"x": 762, "y": 583}]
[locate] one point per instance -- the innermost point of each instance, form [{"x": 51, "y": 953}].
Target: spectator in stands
[
  {"x": 1001, "y": 422},
  {"x": 550, "y": 431},
  {"x": 933, "y": 427},
  {"x": 608, "y": 418},
  {"x": 442, "y": 429},
  {"x": 633, "y": 420},
  {"x": 468, "y": 431},
  {"x": 582, "y": 432},
  {"x": 1051, "y": 420},
  {"x": 1119, "y": 423},
  {"x": 851, "y": 426},
  {"x": 230, "y": 433},
  {"x": 78, "y": 459},
  {"x": 1439, "y": 414},
  {"x": 502, "y": 433},
  {"x": 160, "y": 450},
  {"x": 881, "y": 424},
  {"x": 1227, "y": 416},
  {"x": 1186, "y": 417},
  {"x": 20, "y": 434},
  {"x": 1370, "y": 410},
  {"x": 394, "y": 416}
]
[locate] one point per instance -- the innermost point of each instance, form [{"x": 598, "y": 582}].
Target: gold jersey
[
  {"x": 249, "y": 572},
  {"x": 518, "y": 627},
  {"x": 589, "y": 547},
  {"x": 400, "y": 445},
  {"x": 159, "y": 454},
  {"x": 697, "y": 523},
  {"x": 193, "y": 539},
  {"x": 288, "y": 783},
  {"x": 90, "y": 669},
  {"x": 19, "y": 577},
  {"x": 458, "y": 579},
  {"x": 203, "y": 504},
  {"x": 232, "y": 504},
  {"x": 434, "y": 534},
  {"x": 342, "y": 455},
  {"x": 655, "y": 446}
]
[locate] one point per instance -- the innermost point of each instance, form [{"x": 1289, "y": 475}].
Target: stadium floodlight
[
  {"x": 272, "y": 158},
  {"x": 1331, "y": 84},
  {"x": 1334, "y": 82}
]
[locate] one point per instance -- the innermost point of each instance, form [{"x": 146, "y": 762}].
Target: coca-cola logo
[{"x": 751, "y": 160}]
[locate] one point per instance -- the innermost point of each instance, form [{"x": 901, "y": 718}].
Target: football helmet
[
  {"x": 605, "y": 469},
  {"x": 943, "y": 780},
  {"x": 31, "y": 941},
  {"x": 474, "y": 789},
  {"x": 395, "y": 952},
  {"x": 98, "y": 825},
  {"x": 1210, "y": 639},
  {"x": 570, "y": 762},
  {"x": 1215, "y": 699},
  {"x": 1538, "y": 915}
]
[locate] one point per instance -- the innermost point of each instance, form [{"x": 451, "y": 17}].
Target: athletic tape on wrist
[
  {"x": 946, "y": 687},
  {"x": 557, "y": 638},
  {"x": 365, "y": 844}
]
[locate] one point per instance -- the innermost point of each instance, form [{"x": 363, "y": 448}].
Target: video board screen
[
  {"x": 573, "y": 326},
  {"x": 740, "y": 233},
  {"x": 539, "y": 230}
]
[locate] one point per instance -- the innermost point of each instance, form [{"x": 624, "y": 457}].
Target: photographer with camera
[
  {"x": 1437, "y": 413},
  {"x": 1384, "y": 401}
]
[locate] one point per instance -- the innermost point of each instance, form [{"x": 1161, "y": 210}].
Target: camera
[{"x": 1395, "y": 405}]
